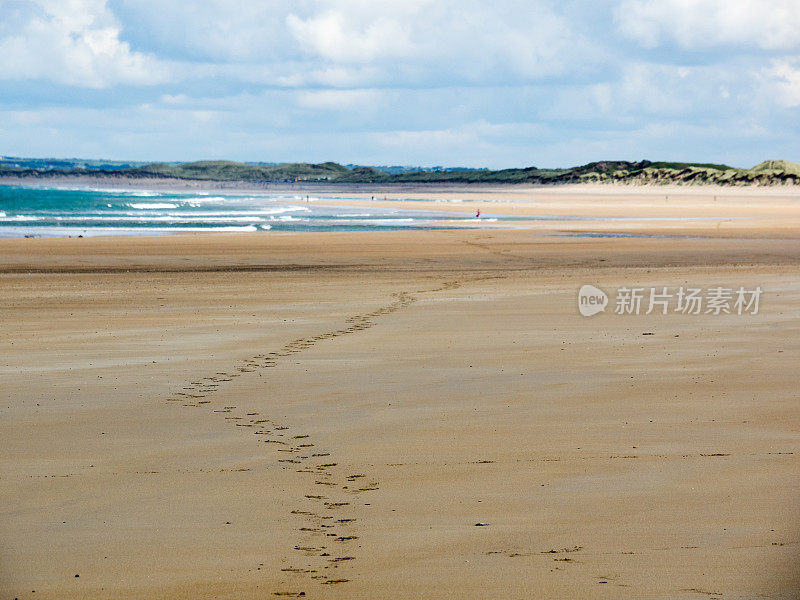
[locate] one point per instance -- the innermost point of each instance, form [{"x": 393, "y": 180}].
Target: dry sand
[{"x": 240, "y": 416}]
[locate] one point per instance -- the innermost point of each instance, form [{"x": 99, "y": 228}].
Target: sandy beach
[{"x": 414, "y": 414}]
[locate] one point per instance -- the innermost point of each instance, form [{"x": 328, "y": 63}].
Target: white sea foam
[
  {"x": 151, "y": 205},
  {"x": 146, "y": 219},
  {"x": 206, "y": 199},
  {"x": 113, "y": 191},
  {"x": 236, "y": 213},
  {"x": 275, "y": 210},
  {"x": 289, "y": 208},
  {"x": 27, "y": 218}
]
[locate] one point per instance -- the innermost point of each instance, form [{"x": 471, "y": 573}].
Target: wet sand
[{"x": 264, "y": 415}]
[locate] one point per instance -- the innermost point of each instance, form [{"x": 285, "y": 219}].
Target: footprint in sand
[{"x": 198, "y": 390}]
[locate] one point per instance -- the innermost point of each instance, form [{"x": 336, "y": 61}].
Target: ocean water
[
  {"x": 58, "y": 212},
  {"x": 55, "y": 212}
]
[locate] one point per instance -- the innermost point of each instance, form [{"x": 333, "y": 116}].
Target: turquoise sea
[
  {"x": 60, "y": 212},
  {"x": 48, "y": 212}
]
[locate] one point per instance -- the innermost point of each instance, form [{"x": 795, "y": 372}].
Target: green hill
[
  {"x": 222, "y": 170},
  {"x": 771, "y": 172}
]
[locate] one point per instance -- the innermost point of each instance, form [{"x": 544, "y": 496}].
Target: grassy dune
[{"x": 771, "y": 172}]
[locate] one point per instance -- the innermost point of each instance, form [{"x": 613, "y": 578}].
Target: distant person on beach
[{"x": 478, "y": 214}]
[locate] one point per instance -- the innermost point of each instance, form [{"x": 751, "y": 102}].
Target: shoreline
[{"x": 567, "y": 210}]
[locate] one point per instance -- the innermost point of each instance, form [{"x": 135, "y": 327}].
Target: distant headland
[{"x": 770, "y": 172}]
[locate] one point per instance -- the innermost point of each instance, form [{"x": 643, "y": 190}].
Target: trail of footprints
[{"x": 326, "y": 530}]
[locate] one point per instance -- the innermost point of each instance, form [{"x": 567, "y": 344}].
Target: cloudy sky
[{"x": 423, "y": 82}]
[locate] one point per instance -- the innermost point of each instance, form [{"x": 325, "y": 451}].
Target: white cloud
[
  {"x": 232, "y": 31},
  {"x": 477, "y": 143},
  {"x": 338, "y": 43},
  {"x": 363, "y": 43},
  {"x": 338, "y": 99},
  {"x": 767, "y": 24},
  {"x": 338, "y": 37},
  {"x": 74, "y": 42},
  {"x": 783, "y": 81},
  {"x": 651, "y": 90},
  {"x": 332, "y": 76},
  {"x": 462, "y": 40},
  {"x": 645, "y": 88},
  {"x": 511, "y": 82},
  {"x": 442, "y": 139}
]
